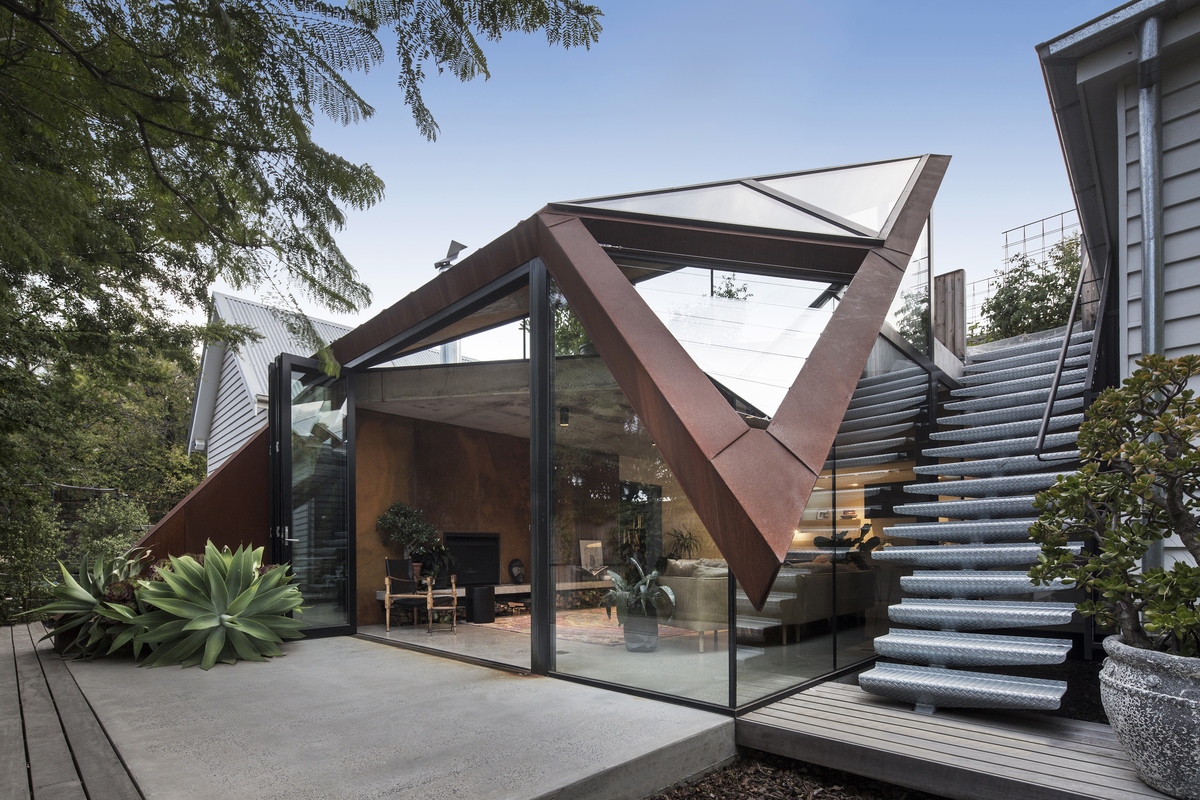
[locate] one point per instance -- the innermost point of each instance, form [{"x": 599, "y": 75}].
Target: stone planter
[
  {"x": 1153, "y": 702},
  {"x": 641, "y": 633}
]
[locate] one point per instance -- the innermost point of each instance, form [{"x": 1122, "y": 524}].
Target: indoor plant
[
  {"x": 1139, "y": 478},
  {"x": 435, "y": 559},
  {"x": 406, "y": 526},
  {"x": 639, "y": 606}
]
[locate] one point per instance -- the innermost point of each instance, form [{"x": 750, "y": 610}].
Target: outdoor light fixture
[
  {"x": 564, "y": 417},
  {"x": 451, "y": 256}
]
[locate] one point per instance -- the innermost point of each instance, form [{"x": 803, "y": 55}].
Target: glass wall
[
  {"x": 829, "y": 601},
  {"x": 319, "y": 540},
  {"x": 445, "y": 429},
  {"x": 618, "y": 510},
  {"x": 910, "y": 311}
]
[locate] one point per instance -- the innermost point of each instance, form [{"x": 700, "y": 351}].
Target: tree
[
  {"x": 731, "y": 291},
  {"x": 147, "y": 149},
  {"x": 1031, "y": 296}
]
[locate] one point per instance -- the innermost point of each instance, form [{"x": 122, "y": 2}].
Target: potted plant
[
  {"x": 1137, "y": 485},
  {"x": 639, "y": 606},
  {"x": 683, "y": 543},
  {"x": 406, "y": 526},
  {"x": 847, "y": 548},
  {"x": 436, "y": 559}
]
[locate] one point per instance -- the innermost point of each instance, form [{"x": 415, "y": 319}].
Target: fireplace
[{"x": 476, "y": 557}]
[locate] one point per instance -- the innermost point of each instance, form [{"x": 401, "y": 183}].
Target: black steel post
[{"x": 541, "y": 466}]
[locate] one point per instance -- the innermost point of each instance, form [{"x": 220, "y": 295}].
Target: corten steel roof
[{"x": 749, "y": 486}]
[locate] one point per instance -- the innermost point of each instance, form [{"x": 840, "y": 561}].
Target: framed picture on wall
[{"x": 591, "y": 555}]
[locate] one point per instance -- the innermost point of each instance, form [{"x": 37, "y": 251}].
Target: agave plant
[
  {"x": 223, "y": 610},
  {"x": 85, "y": 601},
  {"x": 640, "y": 597}
]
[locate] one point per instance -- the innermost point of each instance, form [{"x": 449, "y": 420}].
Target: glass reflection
[
  {"x": 865, "y": 195},
  {"x": 320, "y": 528},
  {"x": 830, "y": 599},
  {"x": 910, "y": 311},
  {"x": 618, "y": 510}
]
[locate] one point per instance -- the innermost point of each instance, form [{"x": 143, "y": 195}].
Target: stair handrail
[{"x": 1040, "y": 445}]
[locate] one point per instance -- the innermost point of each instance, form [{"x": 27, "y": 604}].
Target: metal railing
[{"x": 1085, "y": 267}]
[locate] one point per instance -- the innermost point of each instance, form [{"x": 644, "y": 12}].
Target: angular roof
[{"x": 857, "y": 225}]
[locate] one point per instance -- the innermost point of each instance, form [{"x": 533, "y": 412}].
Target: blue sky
[{"x": 686, "y": 91}]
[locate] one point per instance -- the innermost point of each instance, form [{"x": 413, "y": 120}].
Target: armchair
[{"x": 402, "y": 590}]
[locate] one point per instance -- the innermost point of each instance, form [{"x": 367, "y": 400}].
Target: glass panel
[
  {"x": 865, "y": 195},
  {"x": 320, "y": 497},
  {"x": 750, "y": 333},
  {"x": 910, "y": 311},
  {"x": 451, "y": 439},
  {"x": 618, "y": 507},
  {"x": 731, "y": 203},
  {"x": 830, "y": 599}
]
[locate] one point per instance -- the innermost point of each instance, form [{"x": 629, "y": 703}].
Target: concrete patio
[{"x": 344, "y": 717}]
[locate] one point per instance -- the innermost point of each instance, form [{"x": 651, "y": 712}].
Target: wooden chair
[{"x": 402, "y": 590}]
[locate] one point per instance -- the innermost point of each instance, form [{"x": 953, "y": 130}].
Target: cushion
[
  {"x": 824, "y": 558},
  {"x": 707, "y": 571},
  {"x": 679, "y": 569},
  {"x": 712, "y": 562}
]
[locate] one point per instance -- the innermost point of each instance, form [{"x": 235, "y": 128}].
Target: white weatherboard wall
[
  {"x": 1181, "y": 219},
  {"x": 234, "y": 416}
]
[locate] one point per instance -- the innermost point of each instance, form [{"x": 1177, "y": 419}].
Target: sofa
[{"x": 701, "y": 589}]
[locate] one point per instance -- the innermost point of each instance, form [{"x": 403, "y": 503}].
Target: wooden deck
[
  {"x": 66, "y": 754},
  {"x": 962, "y": 755}
]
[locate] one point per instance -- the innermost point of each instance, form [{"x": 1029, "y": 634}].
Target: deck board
[
  {"x": 14, "y": 776},
  {"x": 956, "y": 755},
  {"x": 66, "y": 754}
]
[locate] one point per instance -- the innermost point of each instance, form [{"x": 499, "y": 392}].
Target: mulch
[{"x": 755, "y": 775}]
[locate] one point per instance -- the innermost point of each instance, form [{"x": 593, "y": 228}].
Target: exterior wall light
[{"x": 564, "y": 416}]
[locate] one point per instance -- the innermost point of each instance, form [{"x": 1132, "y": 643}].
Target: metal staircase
[{"x": 984, "y": 552}]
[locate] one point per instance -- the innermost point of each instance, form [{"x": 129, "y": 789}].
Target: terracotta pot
[
  {"x": 641, "y": 633},
  {"x": 1153, "y": 703}
]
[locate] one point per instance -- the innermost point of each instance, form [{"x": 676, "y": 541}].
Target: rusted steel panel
[
  {"x": 502, "y": 255},
  {"x": 231, "y": 507}
]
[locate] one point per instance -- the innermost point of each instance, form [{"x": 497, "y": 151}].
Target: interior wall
[
  {"x": 383, "y": 462},
  {"x": 469, "y": 481},
  {"x": 464, "y": 480}
]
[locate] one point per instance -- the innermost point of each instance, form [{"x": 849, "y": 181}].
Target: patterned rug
[{"x": 588, "y": 625}]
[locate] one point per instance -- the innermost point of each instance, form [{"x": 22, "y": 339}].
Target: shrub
[
  {"x": 85, "y": 601},
  {"x": 407, "y": 526},
  {"x": 228, "y": 608},
  {"x": 30, "y": 543},
  {"x": 1138, "y": 484},
  {"x": 108, "y": 527},
  {"x": 1031, "y": 296}
]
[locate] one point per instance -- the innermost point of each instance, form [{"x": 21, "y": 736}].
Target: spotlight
[{"x": 564, "y": 417}]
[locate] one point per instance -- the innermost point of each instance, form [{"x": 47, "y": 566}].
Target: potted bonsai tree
[
  {"x": 406, "y": 526},
  {"x": 1139, "y": 484},
  {"x": 639, "y": 606}
]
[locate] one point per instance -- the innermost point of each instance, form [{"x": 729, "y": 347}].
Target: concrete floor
[
  {"x": 348, "y": 718},
  {"x": 675, "y": 668}
]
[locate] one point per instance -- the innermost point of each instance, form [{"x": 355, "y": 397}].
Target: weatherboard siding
[
  {"x": 234, "y": 417},
  {"x": 1181, "y": 221}
]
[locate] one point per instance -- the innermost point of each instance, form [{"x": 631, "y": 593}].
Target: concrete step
[
  {"x": 1050, "y": 356},
  {"x": 965, "y": 556},
  {"x": 953, "y": 649},
  {"x": 982, "y": 508},
  {"x": 964, "y": 584},
  {"x": 1026, "y": 371},
  {"x": 1007, "y": 430},
  {"x": 988, "y": 487},
  {"x": 1014, "y": 414},
  {"x": 965, "y": 615},
  {"x": 930, "y": 687},
  {"x": 1018, "y": 399},
  {"x": 1053, "y": 345},
  {"x": 993, "y": 467}
]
